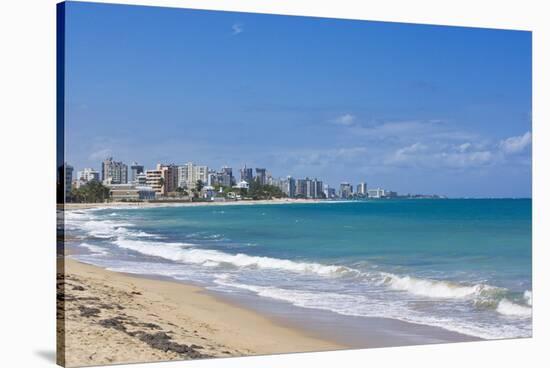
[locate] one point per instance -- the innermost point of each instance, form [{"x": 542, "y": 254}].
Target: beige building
[
  {"x": 163, "y": 180},
  {"x": 189, "y": 174},
  {"x": 153, "y": 180},
  {"x": 170, "y": 175}
]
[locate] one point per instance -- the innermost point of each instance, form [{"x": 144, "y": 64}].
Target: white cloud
[
  {"x": 237, "y": 28},
  {"x": 346, "y": 120},
  {"x": 440, "y": 156},
  {"x": 101, "y": 154},
  {"x": 516, "y": 144},
  {"x": 407, "y": 130},
  {"x": 464, "y": 147}
]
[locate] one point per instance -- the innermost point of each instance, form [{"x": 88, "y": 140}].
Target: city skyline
[{"x": 446, "y": 107}]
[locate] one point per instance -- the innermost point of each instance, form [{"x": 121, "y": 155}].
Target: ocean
[{"x": 462, "y": 265}]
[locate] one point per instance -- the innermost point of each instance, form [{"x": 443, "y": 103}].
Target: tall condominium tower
[
  {"x": 246, "y": 174},
  {"x": 114, "y": 172},
  {"x": 261, "y": 176}
]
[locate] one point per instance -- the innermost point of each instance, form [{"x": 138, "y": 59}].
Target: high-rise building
[
  {"x": 87, "y": 175},
  {"x": 276, "y": 182},
  {"x": 246, "y": 174},
  {"x": 346, "y": 190},
  {"x": 302, "y": 187},
  {"x": 114, "y": 172},
  {"x": 189, "y": 174},
  {"x": 309, "y": 188},
  {"x": 224, "y": 177},
  {"x": 68, "y": 180},
  {"x": 227, "y": 173},
  {"x": 362, "y": 189},
  {"x": 316, "y": 190},
  {"x": 329, "y": 192},
  {"x": 289, "y": 186},
  {"x": 135, "y": 170},
  {"x": 170, "y": 177},
  {"x": 261, "y": 176}
]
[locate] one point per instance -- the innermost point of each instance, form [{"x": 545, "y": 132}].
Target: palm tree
[{"x": 199, "y": 185}]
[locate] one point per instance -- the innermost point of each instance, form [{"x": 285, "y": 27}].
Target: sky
[{"x": 410, "y": 108}]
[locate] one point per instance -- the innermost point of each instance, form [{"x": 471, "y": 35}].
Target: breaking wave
[
  {"x": 439, "y": 289},
  {"x": 183, "y": 252},
  {"x": 509, "y": 308},
  {"x": 120, "y": 234}
]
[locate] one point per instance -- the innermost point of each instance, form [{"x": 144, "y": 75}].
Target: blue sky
[{"x": 411, "y": 108}]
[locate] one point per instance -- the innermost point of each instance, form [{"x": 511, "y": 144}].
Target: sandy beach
[
  {"x": 80, "y": 206},
  {"x": 112, "y": 318}
]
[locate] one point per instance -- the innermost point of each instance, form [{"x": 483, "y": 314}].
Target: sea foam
[
  {"x": 183, "y": 252},
  {"x": 436, "y": 288},
  {"x": 509, "y": 308},
  {"x": 226, "y": 265}
]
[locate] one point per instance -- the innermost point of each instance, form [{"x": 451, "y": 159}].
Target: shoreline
[
  {"x": 148, "y": 319},
  {"x": 108, "y": 205}
]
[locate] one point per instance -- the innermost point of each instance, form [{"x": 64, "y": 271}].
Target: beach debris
[
  {"x": 162, "y": 341},
  {"x": 158, "y": 340},
  {"x": 88, "y": 312},
  {"x": 115, "y": 323}
]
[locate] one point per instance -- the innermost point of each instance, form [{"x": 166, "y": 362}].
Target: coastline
[
  {"x": 82, "y": 206},
  {"x": 334, "y": 325},
  {"x": 146, "y": 319}
]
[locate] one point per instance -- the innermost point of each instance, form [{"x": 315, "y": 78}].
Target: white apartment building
[
  {"x": 114, "y": 172},
  {"x": 189, "y": 174},
  {"x": 362, "y": 189},
  {"x": 87, "y": 175},
  {"x": 376, "y": 193}
]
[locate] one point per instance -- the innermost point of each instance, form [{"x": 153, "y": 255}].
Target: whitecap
[{"x": 509, "y": 308}]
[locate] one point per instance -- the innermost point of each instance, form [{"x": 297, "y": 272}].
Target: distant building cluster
[{"x": 134, "y": 182}]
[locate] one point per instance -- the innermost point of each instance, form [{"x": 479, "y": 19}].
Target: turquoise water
[{"x": 463, "y": 265}]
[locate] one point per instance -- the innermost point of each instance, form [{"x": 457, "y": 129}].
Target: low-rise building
[
  {"x": 376, "y": 193},
  {"x": 208, "y": 192},
  {"x": 241, "y": 185},
  {"x": 130, "y": 192}
]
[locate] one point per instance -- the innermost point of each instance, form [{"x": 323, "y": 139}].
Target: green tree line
[{"x": 92, "y": 192}]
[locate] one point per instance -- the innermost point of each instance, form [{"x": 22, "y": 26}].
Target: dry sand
[{"x": 111, "y": 318}]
